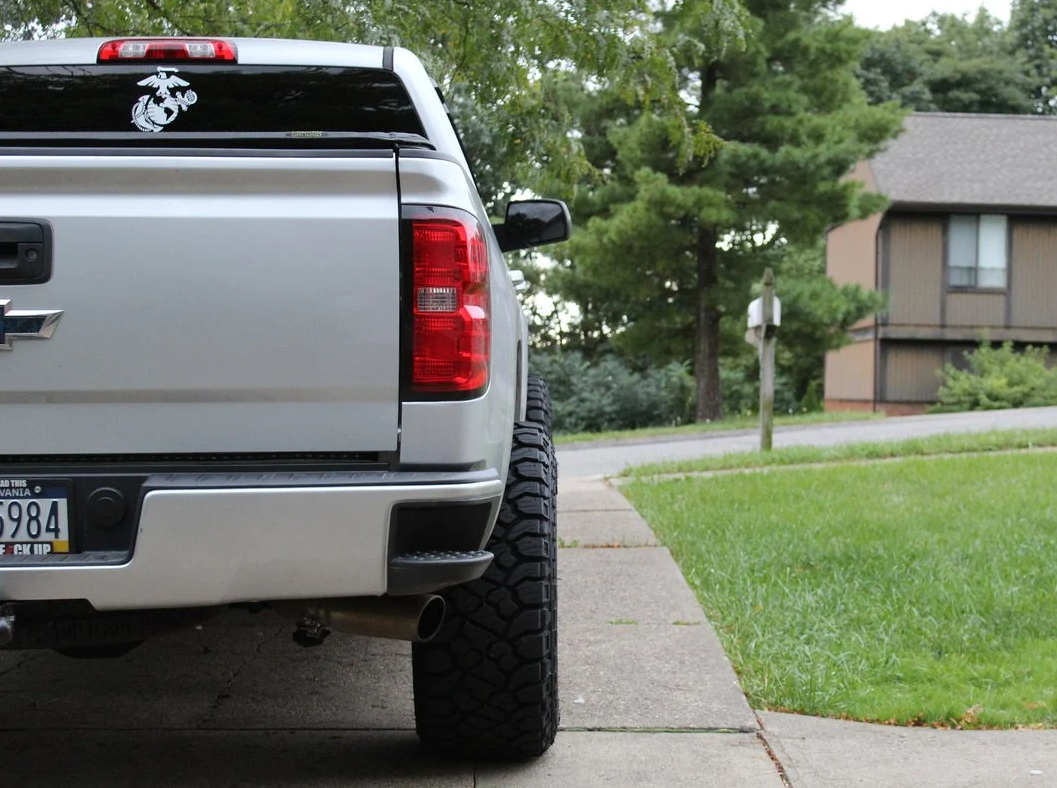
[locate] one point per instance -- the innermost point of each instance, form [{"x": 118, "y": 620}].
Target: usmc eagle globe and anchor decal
[{"x": 152, "y": 113}]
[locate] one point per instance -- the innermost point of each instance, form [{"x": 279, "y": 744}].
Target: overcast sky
[{"x": 885, "y": 13}]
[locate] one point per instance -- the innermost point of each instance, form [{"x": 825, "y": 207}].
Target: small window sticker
[{"x": 153, "y": 112}]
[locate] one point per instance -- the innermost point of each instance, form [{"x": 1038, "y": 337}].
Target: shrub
[
  {"x": 998, "y": 377},
  {"x": 741, "y": 392},
  {"x": 608, "y": 395},
  {"x": 812, "y": 401}
]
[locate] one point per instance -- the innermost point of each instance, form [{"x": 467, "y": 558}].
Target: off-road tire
[
  {"x": 538, "y": 403},
  {"x": 487, "y": 685},
  {"x": 538, "y": 411}
]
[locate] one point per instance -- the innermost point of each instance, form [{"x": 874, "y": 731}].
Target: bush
[
  {"x": 608, "y": 395},
  {"x": 997, "y": 378},
  {"x": 812, "y": 401},
  {"x": 741, "y": 392}
]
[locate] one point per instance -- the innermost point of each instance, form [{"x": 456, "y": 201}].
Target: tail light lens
[{"x": 449, "y": 304}]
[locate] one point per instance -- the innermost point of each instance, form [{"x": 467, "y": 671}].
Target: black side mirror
[{"x": 532, "y": 223}]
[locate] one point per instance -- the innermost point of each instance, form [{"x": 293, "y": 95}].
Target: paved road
[{"x": 612, "y": 457}]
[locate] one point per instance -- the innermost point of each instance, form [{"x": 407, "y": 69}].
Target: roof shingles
[{"x": 1002, "y": 161}]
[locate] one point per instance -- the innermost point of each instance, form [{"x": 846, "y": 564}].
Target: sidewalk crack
[{"x": 783, "y": 775}]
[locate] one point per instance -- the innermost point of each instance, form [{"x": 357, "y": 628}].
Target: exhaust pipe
[{"x": 414, "y": 618}]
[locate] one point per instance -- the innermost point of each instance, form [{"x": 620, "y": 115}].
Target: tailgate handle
[{"x": 25, "y": 252}]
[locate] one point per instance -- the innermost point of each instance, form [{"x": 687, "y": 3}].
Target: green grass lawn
[
  {"x": 714, "y": 426},
  {"x": 912, "y": 592},
  {"x": 1000, "y": 440}
]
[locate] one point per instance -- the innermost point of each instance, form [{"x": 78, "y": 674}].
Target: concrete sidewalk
[
  {"x": 822, "y": 753},
  {"x": 636, "y": 652},
  {"x": 810, "y": 752}
]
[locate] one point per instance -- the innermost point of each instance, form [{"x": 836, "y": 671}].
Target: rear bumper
[{"x": 213, "y": 539}]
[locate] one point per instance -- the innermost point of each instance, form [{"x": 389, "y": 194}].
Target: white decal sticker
[{"x": 155, "y": 112}]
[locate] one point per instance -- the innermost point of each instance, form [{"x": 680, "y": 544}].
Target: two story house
[{"x": 967, "y": 244}]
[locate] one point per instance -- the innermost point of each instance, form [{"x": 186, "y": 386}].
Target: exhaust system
[{"x": 414, "y": 618}]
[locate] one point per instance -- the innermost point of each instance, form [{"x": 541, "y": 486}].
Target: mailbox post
[{"x": 765, "y": 315}]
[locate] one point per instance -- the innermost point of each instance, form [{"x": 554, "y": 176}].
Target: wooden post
[{"x": 767, "y": 341}]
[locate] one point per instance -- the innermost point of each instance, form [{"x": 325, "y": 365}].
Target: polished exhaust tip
[
  {"x": 413, "y": 618},
  {"x": 431, "y": 618}
]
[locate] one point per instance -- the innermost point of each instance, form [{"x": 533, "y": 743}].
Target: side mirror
[{"x": 532, "y": 223}]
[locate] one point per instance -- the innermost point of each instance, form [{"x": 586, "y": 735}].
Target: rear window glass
[{"x": 204, "y": 98}]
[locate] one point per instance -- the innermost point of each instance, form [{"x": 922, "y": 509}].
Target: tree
[
  {"x": 491, "y": 55},
  {"x": 948, "y": 63},
  {"x": 1033, "y": 28},
  {"x": 669, "y": 249}
]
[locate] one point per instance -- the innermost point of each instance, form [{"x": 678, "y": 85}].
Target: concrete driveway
[{"x": 647, "y": 696}]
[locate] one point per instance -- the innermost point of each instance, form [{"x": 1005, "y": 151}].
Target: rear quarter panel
[{"x": 475, "y": 432}]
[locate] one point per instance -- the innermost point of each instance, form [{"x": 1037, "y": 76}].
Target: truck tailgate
[{"x": 210, "y": 303}]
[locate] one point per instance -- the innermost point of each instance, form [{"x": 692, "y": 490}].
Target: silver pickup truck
[{"x": 259, "y": 348}]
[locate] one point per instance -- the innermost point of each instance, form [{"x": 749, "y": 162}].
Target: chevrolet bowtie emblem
[{"x": 26, "y": 324}]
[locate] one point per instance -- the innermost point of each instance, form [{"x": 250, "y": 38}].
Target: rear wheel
[{"x": 487, "y": 685}]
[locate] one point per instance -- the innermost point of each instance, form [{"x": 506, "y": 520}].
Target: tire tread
[{"x": 486, "y": 686}]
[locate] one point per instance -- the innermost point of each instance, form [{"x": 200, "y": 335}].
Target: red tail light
[
  {"x": 133, "y": 50},
  {"x": 450, "y": 307}
]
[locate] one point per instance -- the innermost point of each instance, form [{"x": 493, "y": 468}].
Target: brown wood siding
[
  {"x": 976, "y": 309},
  {"x": 850, "y": 372},
  {"x": 911, "y": 372},
  {"x": 1033, "y": 273},
  {"x": 915, "y": 270},
  {"x": 851, "y": 249},
  {"x": 851, "y": 253}
]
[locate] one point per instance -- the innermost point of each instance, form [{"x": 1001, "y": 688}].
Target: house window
[{"x": 976, "y": 251}]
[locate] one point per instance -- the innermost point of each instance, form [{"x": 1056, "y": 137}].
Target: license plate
[{"x": 34, "y": 517}]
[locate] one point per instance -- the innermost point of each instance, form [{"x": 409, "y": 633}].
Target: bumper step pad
[{"x": 427, "y": 572}]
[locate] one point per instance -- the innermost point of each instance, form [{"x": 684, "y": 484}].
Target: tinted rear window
[{"x": 204, "y": 98}]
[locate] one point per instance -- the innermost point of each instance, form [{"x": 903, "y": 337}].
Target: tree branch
[
  {"x": 77, "y": 9},
  {"x": 167, "y": 18}
]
